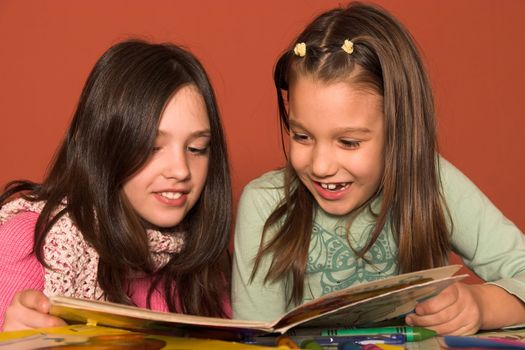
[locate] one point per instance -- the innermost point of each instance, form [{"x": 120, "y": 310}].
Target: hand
[
  {"x": 29, "y": 309},
  {"x": 457, "y": 310}
]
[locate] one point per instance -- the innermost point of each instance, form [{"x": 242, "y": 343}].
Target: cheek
[
  {"x": 131, "y": 188},
  {"x": 299, "y": 156},
  {"x": 200, "y": 172},
  {"x": 140, "y": 181},
  {"x": 372, "y": 168}
]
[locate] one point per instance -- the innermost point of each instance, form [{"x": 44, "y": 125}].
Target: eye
[
  {"x": 155, "y": 149},
  {"x": 350, "y": 144},
  {"x": 299, "y": 137},
  {"x": 198, "y": 150}
]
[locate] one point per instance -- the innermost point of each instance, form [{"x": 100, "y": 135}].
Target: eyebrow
[
  {"x": 199, "y": 133},
  {"x": 294, "y": 123}
]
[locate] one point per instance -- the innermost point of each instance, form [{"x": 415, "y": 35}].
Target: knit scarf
[{"x": 73, "y": 262}]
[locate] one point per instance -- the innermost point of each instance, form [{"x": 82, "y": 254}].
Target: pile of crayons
[{"x": 385, "y": 338}]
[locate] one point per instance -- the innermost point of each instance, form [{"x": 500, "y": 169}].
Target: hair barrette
[
  {"x": 300, "y": 49},
  {"x": 348, "y": 46}
]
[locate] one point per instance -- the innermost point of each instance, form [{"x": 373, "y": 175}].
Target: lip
[
  {"x": 172, "y": 202},
  {"x": 330, "y": 195}
]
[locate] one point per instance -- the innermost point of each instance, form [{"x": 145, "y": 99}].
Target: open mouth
[
  {"x": 171, "y": 195},
  {"x": 334, "y": 187}
]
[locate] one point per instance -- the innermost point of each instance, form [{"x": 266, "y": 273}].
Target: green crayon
[{"x": 412, "y": 333}]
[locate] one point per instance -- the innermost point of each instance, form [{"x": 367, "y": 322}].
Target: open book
[{"x": 359, "y": 305}]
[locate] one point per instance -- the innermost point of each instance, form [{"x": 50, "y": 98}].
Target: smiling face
[
  {"x": 167, "y": 186},
  {"x": 336, "y": 142}
]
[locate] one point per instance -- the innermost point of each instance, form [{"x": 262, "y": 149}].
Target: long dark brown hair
[
  {"x": 110, "y": 137},
  {"x": 410, "y": 185}
]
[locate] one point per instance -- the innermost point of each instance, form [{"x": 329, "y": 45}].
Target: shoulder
[
  {"x": 22, "y": 221},
  {"x": 17, "y": 234},
  {"x": 470, "y": 209},
  {"x": 17, "y": 207},
  {"x": 267, "y": 189},
  {"x": 258, "y": 200},
  {"x": 456, "y": 186},
  {"x": 270, "y": 180},
  {"x": 450, "y": 175}
]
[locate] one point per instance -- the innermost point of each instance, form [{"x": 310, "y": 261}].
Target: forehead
[
  {"x": 319, "y": 94},
  {"x": 334, "y": 105},
  {"x": 184, "y": 111}
]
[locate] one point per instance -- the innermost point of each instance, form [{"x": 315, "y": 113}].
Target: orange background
[{"x": 474, "y": 51}]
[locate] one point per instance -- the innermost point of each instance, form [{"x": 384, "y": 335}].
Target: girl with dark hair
[
  {"x": 365, "y": 194},
  {"x": 136, "y": 206}
]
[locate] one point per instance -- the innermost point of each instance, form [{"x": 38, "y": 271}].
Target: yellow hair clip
[
  {"x": 300, "y": 49},
  {"x": 348, "y": 46}
]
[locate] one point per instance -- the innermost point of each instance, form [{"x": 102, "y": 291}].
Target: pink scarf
[{"x": 73, "y": 262}]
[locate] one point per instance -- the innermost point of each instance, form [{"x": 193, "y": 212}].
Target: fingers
[
  {"x": 28, "y": 310},
  {"x": 454, "y": 311},
  {"x": 14, "y": 320},
  {"x": 443, "y": 300},
  {"x": 32, "y": 299},
  {"x": 450, "y": 321}
]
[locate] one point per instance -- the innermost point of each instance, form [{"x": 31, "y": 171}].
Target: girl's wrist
[{"x": 498, "y": 308}]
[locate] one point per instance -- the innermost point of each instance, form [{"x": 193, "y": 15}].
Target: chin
[
  {"x": 165, "y": 223},
  {"x": 336, "y": 210}
]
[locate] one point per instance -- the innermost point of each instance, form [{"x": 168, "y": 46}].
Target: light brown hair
[{"x": 389, "y": 64}]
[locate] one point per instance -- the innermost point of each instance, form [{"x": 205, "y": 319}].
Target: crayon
[
  {"x": 475, "y": 342},
  {"x": 286, "y": 341},
  {"x": 327, "y": 340},
  {"x": 361, "y": 339},
  {"x": 370, "y": 347},
  {"x": 412, "y": 333},
  {"x": 311, "y": 345},
  {"x": 390, "y": 347}
]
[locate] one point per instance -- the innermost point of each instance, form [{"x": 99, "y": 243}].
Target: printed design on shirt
[{"x": 334, "y": 263}]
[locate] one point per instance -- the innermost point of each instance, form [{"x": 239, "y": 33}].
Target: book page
[
  {"x": 378, "y": 308},
  {"x": 138, "y": 319},
  {"x": 364, "y": 292}
]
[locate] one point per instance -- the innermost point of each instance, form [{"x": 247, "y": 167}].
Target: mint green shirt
[{"x": 491, "y": 245}]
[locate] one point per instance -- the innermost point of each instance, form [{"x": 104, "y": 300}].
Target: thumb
[{"x": 35, "y": 300}]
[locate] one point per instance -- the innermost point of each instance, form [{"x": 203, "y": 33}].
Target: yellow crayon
[
  {"x": 390, "y": 347},
  {"x": 287, "y": 341}
]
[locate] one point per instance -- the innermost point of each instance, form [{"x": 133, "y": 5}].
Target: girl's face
[
  {"x": 336, "y": 142},
  {"x": 168, "y": 185}
]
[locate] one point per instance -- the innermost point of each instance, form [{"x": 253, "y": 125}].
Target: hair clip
[
  {"x": 348, "y": 46},
  {"x": 300, "y": 49}
]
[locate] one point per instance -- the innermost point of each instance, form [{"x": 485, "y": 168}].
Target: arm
[
  {"x": 494, "y": 248},
  {"x": 20, "y": 270},
  {"x": 254, "y": 300}
]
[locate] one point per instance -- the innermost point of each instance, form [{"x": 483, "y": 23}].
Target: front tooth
[
  {"x": 325, "y": 186},
  {"x": 331, "y": 187},
  {"x": 171, "y": 195}
]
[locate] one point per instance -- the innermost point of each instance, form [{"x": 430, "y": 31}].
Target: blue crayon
[{"x": 362, "y": 339}]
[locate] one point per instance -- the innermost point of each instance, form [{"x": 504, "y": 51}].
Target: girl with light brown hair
[{"x": 365, "y": 194}]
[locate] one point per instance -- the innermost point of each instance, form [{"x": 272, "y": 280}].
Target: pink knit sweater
[{"x": 19, "y": 269}]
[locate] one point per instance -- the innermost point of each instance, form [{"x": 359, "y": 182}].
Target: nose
[
  {"x": 176, "y": 166},
  {"x": 324, "y": 162}
]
